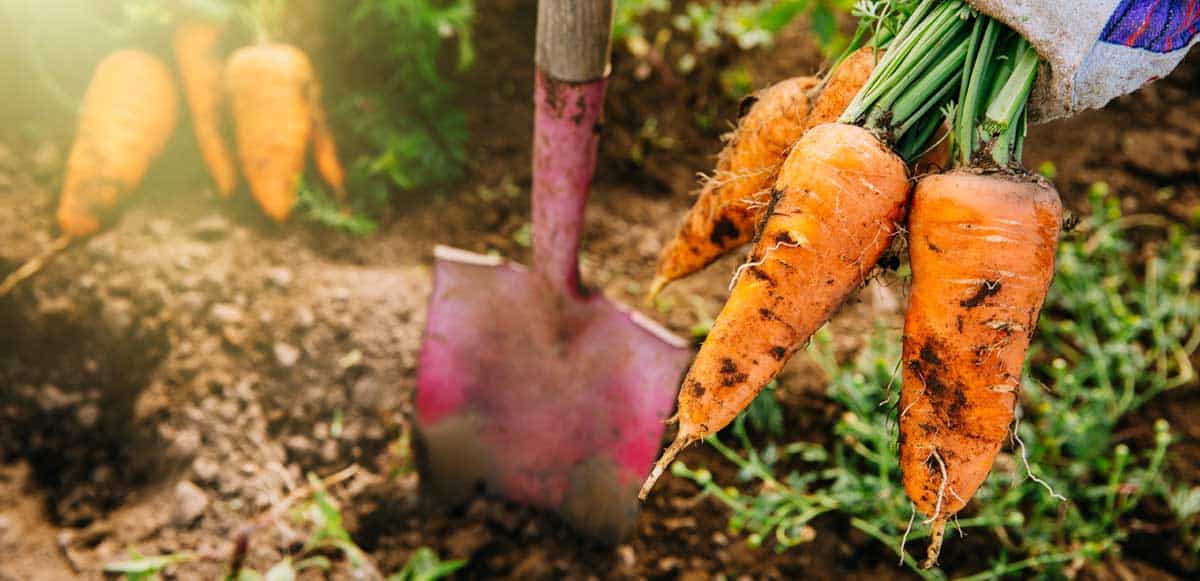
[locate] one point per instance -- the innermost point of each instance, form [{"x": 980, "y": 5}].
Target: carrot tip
[
  {"x": 660, "y": 282},
  {"x": 682, "y": 441},
  {"x": 937, "y": 535}
]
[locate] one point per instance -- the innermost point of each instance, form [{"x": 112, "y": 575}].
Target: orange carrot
[
  {"x": 731, "y": 203},
  {"x": 200, "y": 67},
  {"x": 271, "y": 88},
  {"x": 838, "y": 199},
  {"x": 841, "y": 87},
  {"x": 325, "y": 150},
  {"x": 982, "y": 249},
  {"x": 129, "y": 111}
]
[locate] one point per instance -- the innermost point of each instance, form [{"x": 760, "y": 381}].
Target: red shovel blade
[{"x": 549, "y": 400}]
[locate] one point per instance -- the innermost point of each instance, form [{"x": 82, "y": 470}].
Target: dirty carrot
[
  {"x": 272, "y": 90},
  {"x": 129, "y": 111},
  {"x": 732, "y": 200},
  {"x": 982, "y": 241},
  {"x": 836, "y": 206},
  {"x": 201, "y": 68}
]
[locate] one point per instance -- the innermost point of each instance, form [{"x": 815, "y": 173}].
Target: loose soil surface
[{"x": 167, "y": 381}]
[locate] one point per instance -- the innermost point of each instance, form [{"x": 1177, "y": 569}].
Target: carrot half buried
[
  {"x": 129, "y": 111},
  {"x": 201, "y": 69},
  {"x": 837, "y": 203},
  {"x": 982, "y": 241}
]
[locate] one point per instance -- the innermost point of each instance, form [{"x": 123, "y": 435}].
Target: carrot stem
[{"x": 1008, "y": 104}]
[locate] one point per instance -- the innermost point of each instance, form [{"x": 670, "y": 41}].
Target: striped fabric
[{"x": 1160, "y": 26}]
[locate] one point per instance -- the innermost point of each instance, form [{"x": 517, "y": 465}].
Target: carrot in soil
[
  {"x": 201, "y": 68},
  {"x": 836, "y": 206},
  {"x": 731, "y": 202},
  {"x": 982, "y": 240},
  {"x": 129, "y": 111},
  {"x": 271, "y": 88}
]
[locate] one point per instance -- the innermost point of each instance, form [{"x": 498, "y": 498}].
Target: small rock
[
  {"x": 205, "y": 469},
  {"x": 465, "y": 541},
  {"x": 534, "y": 565},
  {"x": 161, "y": 228},
  {"x": 226, "y": 313},
  {"x": 211, "y": 229},
  {"x": 117, "y": 315},
  {"x": 626, "y": 556},
  {"x": 329, "y": 451},
  {"x": 280, "y": 277},
  {"x": 190, "y": 503},
  {"x": 286, "y": 355},
  {"x": 87, "y": 415},
  {"x": 298, "y": 446},
  {"x": 186, "y": 443},
  {"x": 305, "y": 317}
]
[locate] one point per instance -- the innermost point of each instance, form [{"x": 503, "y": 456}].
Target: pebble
[
  {"x": 287, "y": 355},
  {"x": 190, "y": 503},
  {"x": 87, "y": 415},
  {"x": 205, "y": 469},
  {"x": 280, "y": 277},
  {"x": 226, "y": 313}
]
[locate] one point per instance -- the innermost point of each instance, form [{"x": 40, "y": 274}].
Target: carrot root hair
[
  {"x": 936, "y": 535},
  {"x": 683, "y": 440},
  {"x": 34, "y": 265}
]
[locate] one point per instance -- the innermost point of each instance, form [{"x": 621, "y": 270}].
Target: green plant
[
  {"x": 398, "y": 101},
  {"x": 424, "y": 565},
  {"x": 142, "y": 568},
  {"x": 1112, "y": 337},
  {"x": 702, "y": 27}
]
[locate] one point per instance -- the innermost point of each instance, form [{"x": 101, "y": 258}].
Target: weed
[{"x": 1112, "y": 337}]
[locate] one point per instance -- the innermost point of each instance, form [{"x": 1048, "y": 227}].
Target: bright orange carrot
[
  {"x": 731, "y": 203},
  {"x": 129, "y": 111},
  {"x": 271, "y": 87},
  {"x": 982, "y": 250},
  {"x": 838, "y": 199},
  {"x": 200, "y": 67},
  {"x": 845, "y": 82}
]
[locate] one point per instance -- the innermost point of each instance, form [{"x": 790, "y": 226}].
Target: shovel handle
[{"x": 574, "y": 40}]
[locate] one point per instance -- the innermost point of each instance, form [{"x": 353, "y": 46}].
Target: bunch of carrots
[
  {"x": 130, "y": 108},
  {"x": 919, "y": 131}
]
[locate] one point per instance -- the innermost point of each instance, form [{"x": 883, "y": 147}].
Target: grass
[{"x": 1113, "y": 336}]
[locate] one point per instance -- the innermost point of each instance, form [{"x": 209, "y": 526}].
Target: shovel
[{"x": 529, "y": 385}]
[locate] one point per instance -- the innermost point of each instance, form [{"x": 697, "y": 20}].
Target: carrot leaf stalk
[{"x": 930, "y": 48}]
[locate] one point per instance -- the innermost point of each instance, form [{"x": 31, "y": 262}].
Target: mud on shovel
[{"x": 529, "y": 384}]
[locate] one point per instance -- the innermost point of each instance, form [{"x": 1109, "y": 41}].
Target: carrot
[
  {"x": 841, "y": 86},
  {"x": 272, "y": 89},
  {"x": 982, "y": 252},
  {"x": 733, "y": 202},
  {"x": 837, "y": 202},
  {"x": 325, "y": 152},
  {"x": 200, "y": 67},
  {"x": 129, "y": 110},
  {"x": 730, "y": 204},
  {"x": 981, "y": 242}
]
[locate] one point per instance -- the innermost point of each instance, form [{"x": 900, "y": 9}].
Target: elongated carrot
[
  {"x": 982, "y": 251},
  {"x": 201, "y": 68},
  {"x": 731, "y": 203},
  {"x": 837, "y": 203},
  {"x": 325, "y": 154},
  {"x": 271, "y": 88},
  {"x": 981, "y": 241},
  {"x": 129, "y": 110}
]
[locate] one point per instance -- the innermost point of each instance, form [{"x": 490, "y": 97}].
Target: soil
[{"x": 170, "y": 379}]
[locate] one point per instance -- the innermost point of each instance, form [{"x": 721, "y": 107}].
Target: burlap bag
[{"x": 1097, "y": 50}]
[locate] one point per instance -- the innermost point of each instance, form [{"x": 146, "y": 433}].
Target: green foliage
[
  {"x": 424, "y": 565},
  {"x": 1112, "y": 337},
  {"x": 317, "y": 206},
  {"x": 142, "y": 568},
  {"x": 399, "y": 106},
  {"x": 702, "y": 27}
]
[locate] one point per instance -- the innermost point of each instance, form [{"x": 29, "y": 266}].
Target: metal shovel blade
[{"x": 550, "y": 400}]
